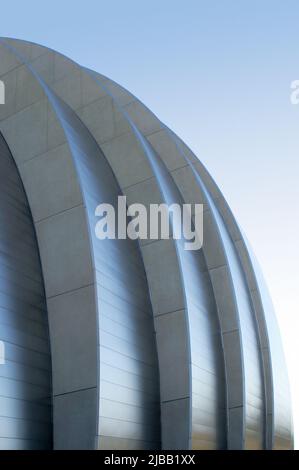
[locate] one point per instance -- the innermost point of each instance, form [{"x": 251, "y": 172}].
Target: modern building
[{"x": 121, "y": 344}]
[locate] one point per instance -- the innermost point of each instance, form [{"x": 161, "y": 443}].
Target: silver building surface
[{"x": 121, "y": 344}]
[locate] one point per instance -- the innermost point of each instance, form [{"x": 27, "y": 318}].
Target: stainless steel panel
[
  {"x": 129, "y": 380},
  {"x": 120, "y": 272},
  {"x": 25, "y": 378}
]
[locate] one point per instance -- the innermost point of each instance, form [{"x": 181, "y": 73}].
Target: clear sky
[{"x": 218, "y": 72}]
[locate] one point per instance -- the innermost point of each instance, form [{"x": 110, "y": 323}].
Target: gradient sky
[{"x": 218, "y": 72}]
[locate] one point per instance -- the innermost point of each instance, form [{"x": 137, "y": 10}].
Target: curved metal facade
[
  {"x": 25, "y": 378},
  {"x": 151, "y": 345}
]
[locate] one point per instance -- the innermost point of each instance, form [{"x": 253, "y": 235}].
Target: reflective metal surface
[
  {"x": 25, "y": 378},
  {"x": 129, "y": 408},
  {"x": 174, "y": 348}
]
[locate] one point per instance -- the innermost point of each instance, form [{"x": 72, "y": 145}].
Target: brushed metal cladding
[
  {"x": 254, "y": 406},
  {"x": 205, "y": 316},
  {"x": 208, "y": 397},
  {"x": 129, "y": 409},
  {"x": 215, "y": 258},
  {"x": 230, "y": 329},
  {"x": 280, "y": 410},
  {"x": 187, "y": 417},
  {"x": 128, "y": 402},
  {"x": 60, "y": 222},
  {"x": 25, "y": 377},
  {"x": 258, "y": 411},
  {"x": 278, "y": 420},
  {"x": 208, "y": 411},
  {"x": 207, "y": 388}
]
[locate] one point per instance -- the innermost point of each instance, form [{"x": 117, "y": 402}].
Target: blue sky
[{"x": 218, "y": 72}]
